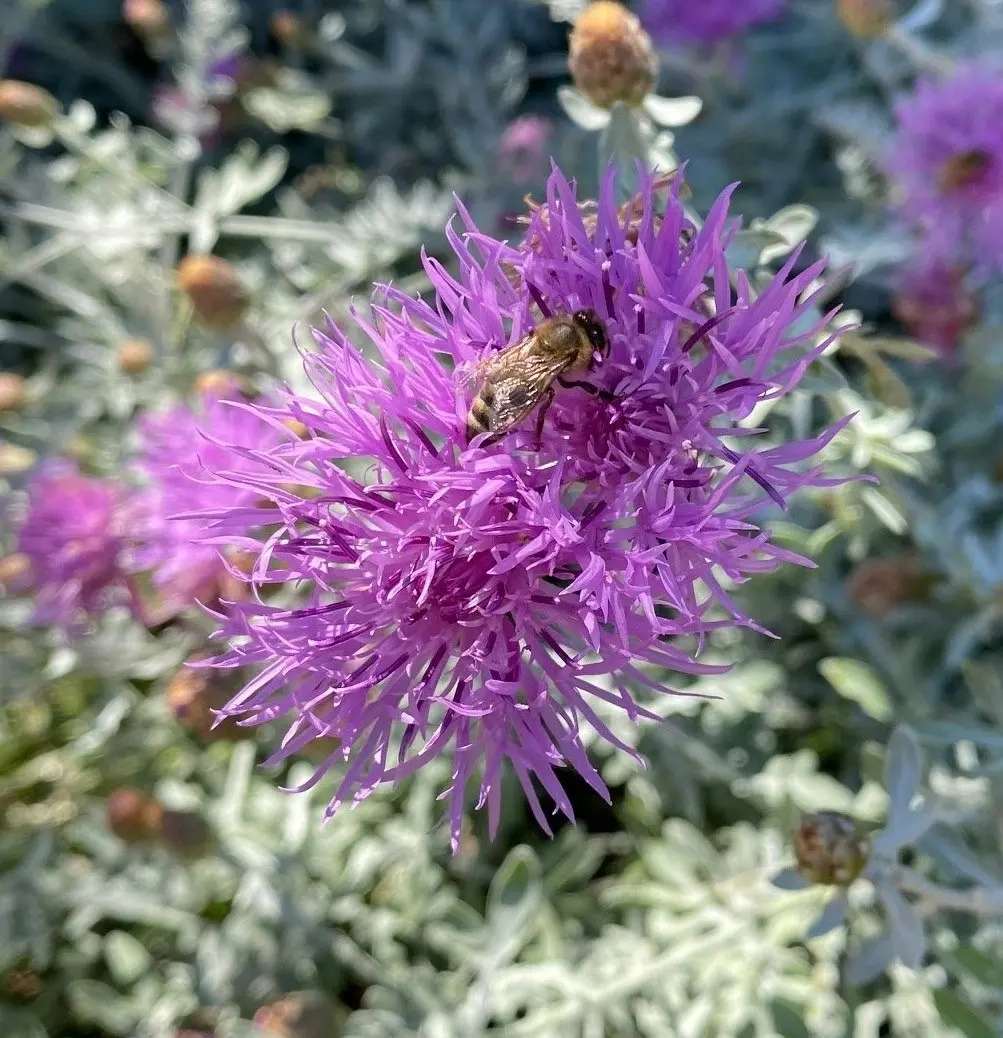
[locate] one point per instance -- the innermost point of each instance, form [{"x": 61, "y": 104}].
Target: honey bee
[{"x": 515, "y": 380}]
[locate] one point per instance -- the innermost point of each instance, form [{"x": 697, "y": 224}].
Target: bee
[{"x": 515, "y": 380}]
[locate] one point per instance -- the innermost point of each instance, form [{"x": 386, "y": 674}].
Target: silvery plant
[{"x": 500, "y": 529}]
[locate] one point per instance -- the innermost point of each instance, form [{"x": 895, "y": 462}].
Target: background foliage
[{"x": 317, "y": 149}]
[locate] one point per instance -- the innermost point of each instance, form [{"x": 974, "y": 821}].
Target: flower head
[
  {"x": 523, "y": 145},
  {"x": 177, "y": 448},
  {"x": 73, "y": 536},
  {"x": 946, "y": 163},
  {"x": 682, "y": 21},
  {"x": 483, "y": 598},
  {"x": 610, "y": 56}
]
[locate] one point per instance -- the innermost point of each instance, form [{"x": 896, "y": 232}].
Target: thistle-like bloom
[
  {"x": 177, "y": 447},
  {"x": 706, "y": 22},
  {"x": 73, "y": 535},
  {"x": 946, "y": 164},
  {"x": 482, "y": 599},
  {"x": 523, "y": 145}
]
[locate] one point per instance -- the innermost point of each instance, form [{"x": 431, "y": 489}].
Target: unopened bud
[
  {"x": 879, "y": 585},
  {"x": 15, "y": 572},
  {"x": 135, "y": 355},
  {"x": 830, "y": 849},
  {"x": 24, "y": 104},
  {"x": 288, "y": 28},
  {"x": 21, "y": 984},
  {"x": 147, "y": 18},
  {"x": 194, "y": 695},
  {"x": 184, "y": 833},
  {"x": 610, "y": 57},
  {"x": 13, "y": 392},
  {"x": 132, "y": 815},
  {"x": 301, "y": 1014},
  {"x": 218, "y": 383},
  {"x": 866, "y": 19},
  {"x": 217, "y": 295}
]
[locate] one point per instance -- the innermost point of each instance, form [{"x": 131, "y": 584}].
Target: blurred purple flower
[
  {"x": 484, "y": 599},
  {"x": 178, "y": 449},
  {"x": 523, "y": 145},
  {"x": 74, "y": 536},
  {"x": 936, "y": 304},
  {"x": 946, "y": 164},
  {"x": 708, "y": 21}
]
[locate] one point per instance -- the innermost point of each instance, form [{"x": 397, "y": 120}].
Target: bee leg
[
  {"x": 603, "y": 394},
  {"x": 541, "y": 414}
]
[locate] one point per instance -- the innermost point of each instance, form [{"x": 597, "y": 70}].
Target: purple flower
[
  {"x": 177, "y": 447},
  {"x": 483, "y": 599},
  {"x": 946, "y": 164},
  {"x": 74, "y": 536},
  {"x": 523, "y": 145},
  {"x": 708, "y": 21}
]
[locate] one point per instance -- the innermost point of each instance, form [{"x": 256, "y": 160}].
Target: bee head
[{"x": 589, "y": 322}]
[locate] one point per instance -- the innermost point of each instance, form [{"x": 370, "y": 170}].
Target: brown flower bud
[
  {"x": 216, "y": 293},
  {"x": 15, "y": 459},
  {"x": 15, "y": 572},
  {"x": 13, "y": 392},
  {"x": 135, "y": 355},
  {"x": 21, "y": 984},
  {"x": 938, "y": 309},
  {"x": 289, "y": 29},
  {"x": 879, "y": 585},
  {"x": 194, "y": 695},
  {"x": 866, "y": 18},
  {"x": 24, "y": 104},
  {"x": 184, "y": 833},
  {"x": 830, "y": 849},
  {"x": 132, "y": 815},
  {"x": 301, "y": 1014},
  {"x": 218, "y": 382},
  {"x": 610, "y": 56},
  {"x": 147, "y": 18}
]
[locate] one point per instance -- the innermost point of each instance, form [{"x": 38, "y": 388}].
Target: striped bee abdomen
[{"x": 479, "y": 415}]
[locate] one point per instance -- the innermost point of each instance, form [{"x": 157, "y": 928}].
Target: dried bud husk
[
  {"x": 132, "y": 815},
  {"x": 301, "y": 1014},
  {"x": 13, "y": 392},
  {"x": 879, "y": 585},
  {"x": 866, "y": 19},
  {"x": 217, "y": 295},
  {"x": 15, "y": 572},
  {"x": 610, "y": 56},
  {"x": 830, "y": 848},
  {"x": 24, "y": 104},
  {"x": 135, "y": 355},
  {"x": 194, "y": 695}
]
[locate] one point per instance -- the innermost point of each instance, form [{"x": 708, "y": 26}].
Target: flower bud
[
  {"x": 301, "y": 1014},
  {"x": 135, "y": 356},
  {"x": 21, "y": 984},
  {"x": 184, "y": 833},
  {"x": 610, "y": 57},
  {"x": 218, "y": 383},
  {"x": 24, "y": 104},
  {"x": 830, "y": 849},
  {"x": 288, "y": 28},
  {"x": 149, "y": 19},
  {"x": 13, "y": 392},
  {"x": 217, "y": 296},
  {"x": 879, "y": 585},
  {"x": 15, "y": 572},
  {"x": 866, "y": 18},
  {"x": 937, "y": 306},
  {"x": 194, "y": 695},
  {"x": 132, "y": 815}
]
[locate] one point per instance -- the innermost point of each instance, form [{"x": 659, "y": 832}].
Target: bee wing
[{"x": 518, "y": 388}]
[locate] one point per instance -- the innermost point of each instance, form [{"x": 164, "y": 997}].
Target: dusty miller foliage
[{"x": 674, "y": 912}]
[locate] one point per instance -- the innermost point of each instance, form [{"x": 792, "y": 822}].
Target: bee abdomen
[{"x": 479, "y": 415}]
